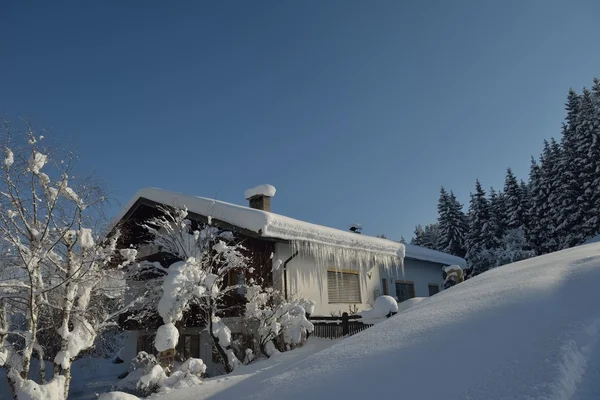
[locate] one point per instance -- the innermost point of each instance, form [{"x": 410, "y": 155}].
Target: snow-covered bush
[
  {"x": 207, "y": 255},
  {"x": 275, "y": 317},
  {"x": 384, "y": 307},
  {"x": 58, "y": 265},
  {"x": 155, "y": 378},
  {"x": 454, "y": 276}
]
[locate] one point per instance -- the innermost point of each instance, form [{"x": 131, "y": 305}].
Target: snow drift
[{"x": 524, "y": 330}]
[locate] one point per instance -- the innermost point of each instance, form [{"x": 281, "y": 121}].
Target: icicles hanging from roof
[{"x": 327, "y": 256}]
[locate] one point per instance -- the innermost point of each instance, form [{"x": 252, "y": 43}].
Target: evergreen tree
[
  {"x": 514, "y": 202},
  {"x": 538, "y": 201},
  {"x": 592, "y": 191},
  {"x": 526, "y": 207},
  {"x": 569, "y": 200},
  {"x": 587, "y": 132},
  {"x": 551, "y": 171},
  {"x": 478, "y": 217},
  {"x": 432, "y": 237},
  {"x": 453, "y": 224},
  {"x": 497, "y": 222},
  {"x": 419, "y": 238},
  {"x": 443, "y": 209}
]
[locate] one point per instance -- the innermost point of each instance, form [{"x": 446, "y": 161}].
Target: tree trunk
[
  {"x": 29, "y": 342},
  {"x": 40, "y": 354},
  {"x": 67, "y": 374},
  {"x": 227, "y": 365},
  {"x": 10, "y": 377}
]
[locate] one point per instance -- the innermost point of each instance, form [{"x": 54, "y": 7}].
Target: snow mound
[
  {"x": 260, "y": 190},
  {"x": 527, "y": 330},
  {"x": 118, "y": 396},
  {"x": 406, "y": 304},
  {"x": 194, "y": 366},
  {"x": 383, "y": 307},
  {"x": 167, "y": 337}
]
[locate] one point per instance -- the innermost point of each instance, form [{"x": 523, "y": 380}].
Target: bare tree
[{"x": 58, "y": 286}]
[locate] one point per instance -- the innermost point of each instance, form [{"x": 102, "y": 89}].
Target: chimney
[
  {"x": 259, "y": 197},
  {"x": 356, "y": 228}
]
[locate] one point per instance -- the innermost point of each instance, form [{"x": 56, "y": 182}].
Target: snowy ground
[
  {"x": 261, "y": 370},
  {"x": 528, "y": 330},
  {"x": 91, "y": 376}
]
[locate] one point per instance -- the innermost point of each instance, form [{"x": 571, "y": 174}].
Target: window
[
  {"x": 405, "y": 290},
  {"x": 384, "y": 286},
  {"x": 433, "y": 288},
  {"x": 188, "y": 346},
  {"x": 343, "y": 287},
  {"x": 146, "y": 343}
]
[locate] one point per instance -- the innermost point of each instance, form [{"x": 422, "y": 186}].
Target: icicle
[{"x": 327, "y": 256}]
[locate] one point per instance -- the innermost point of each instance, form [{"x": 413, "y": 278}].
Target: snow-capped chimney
[
  {"x": 259, "y": 197},
  {"x": 356, "y": 228}
]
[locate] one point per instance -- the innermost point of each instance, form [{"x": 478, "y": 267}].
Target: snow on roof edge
[{"x": 281, "y": 227}]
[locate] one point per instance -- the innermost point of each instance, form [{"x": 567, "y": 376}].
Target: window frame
[
  {"x": 384, "y": 287},
  {"x": 412, "y": 293},
  {"x": 348, "y": 272},
  {"x": 430, "y": 285}
]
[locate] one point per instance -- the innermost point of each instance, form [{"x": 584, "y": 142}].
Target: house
[{"x": 340, "y": 270}]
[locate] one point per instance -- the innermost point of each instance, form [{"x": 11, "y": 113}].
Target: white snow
[
  {"x": 256, "y": 371},
  {"x": 528, "y": 330},
  {"x": 193, "y": 366},
  {"x": 30, "y": 390},
  {"x": 407, "y": 304},
  {"x": 383, "y": 306},
  {"x": 9, "y": 159},
  {"x": 260, "y": 190},
  {"x": 422, "y": 253},
  {"x": 37, "y": 162},
  {"x": 86, "y": 238},
  {"x": 452, "y": 268},
  {"x": 167, "y": 337},
  {"x": 118, "y": 396},
  {"x": 311, "y": 238}
]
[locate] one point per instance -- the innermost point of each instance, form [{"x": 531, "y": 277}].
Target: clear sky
[{"x": 357, "y": 111}]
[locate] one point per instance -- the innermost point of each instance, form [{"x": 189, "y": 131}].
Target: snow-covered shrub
[
  {"x": 275, "y": 317},
  {"x": 384, "y": 307},
  {"x": 454, "y": 276},
  {"x": 207, "y": 255},
  {"x": 152, "y": 380}
]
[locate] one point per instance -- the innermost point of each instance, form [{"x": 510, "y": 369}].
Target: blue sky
[{"x": 356, "y": 111}]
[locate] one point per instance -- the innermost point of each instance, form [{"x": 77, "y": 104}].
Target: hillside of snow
[{"x": 527, "y": 330}]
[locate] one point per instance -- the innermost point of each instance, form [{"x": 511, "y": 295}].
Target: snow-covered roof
[
  {"x": 260, "y": 190},
  {"x": 271, "y": 225}
]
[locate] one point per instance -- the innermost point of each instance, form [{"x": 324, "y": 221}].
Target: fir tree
[
  {"x": 453, "y": 224},
  {"x": 497, "y": 222},
  {"x": 526, "y": 205},
  {"x": 432, "y": 237},
  {"x": 514, "y": 202},
  {"x": 478, "y": 217},
  {"x": 418, "y": 239},
  {"x": 569, "y": 201},
  {"x": 538, "y": 201},
  {"x": 587, "y": 133}
]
